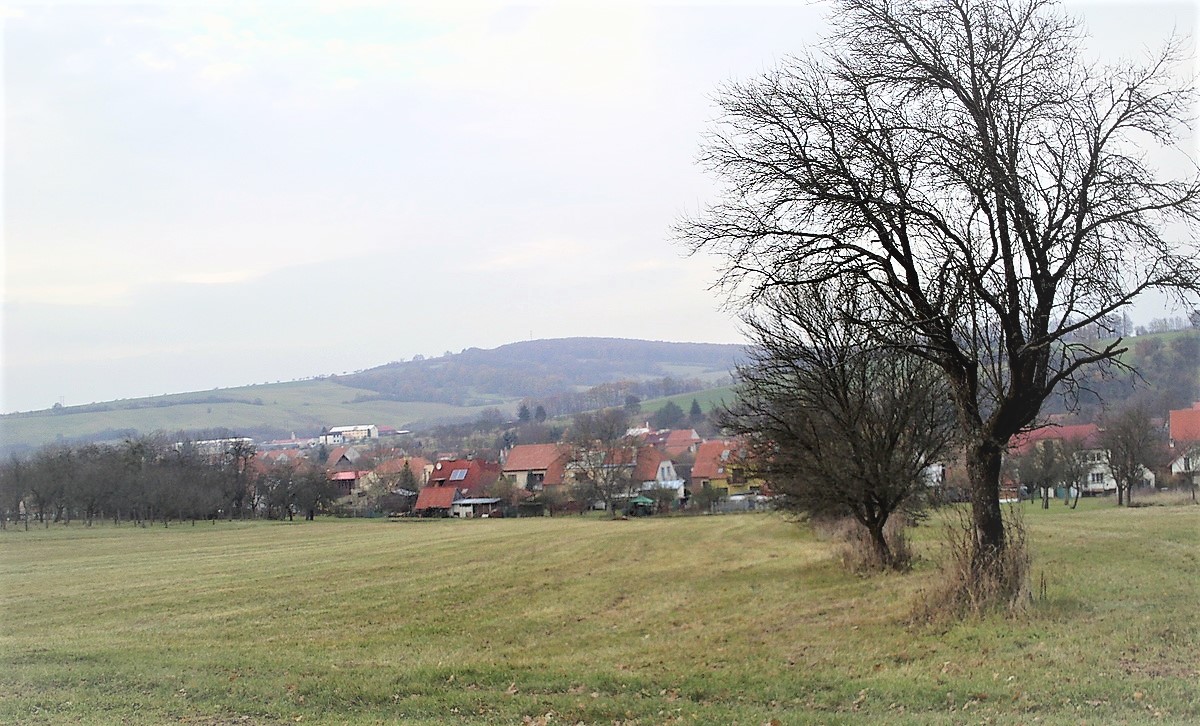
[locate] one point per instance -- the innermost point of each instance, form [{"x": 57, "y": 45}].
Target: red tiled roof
[
  {"x": 436, "y": 498},
  {"x": 709, "y": 464},
  {"x": 680, "y": 440},
  {"x": 648, "y": 459},
  {"x": 477, "y": 475},
  {"x": 656, "y": 438},
  {"x": 551, "y": 458},
  {"x": 1087, "y": 434},
  {"x": 342, "y": 451},
  {"x": 346, "y": 475},
  {"x": 1185, "y": 424}
]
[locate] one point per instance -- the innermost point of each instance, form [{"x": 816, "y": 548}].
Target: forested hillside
[{"x": 1165, "y": 375}]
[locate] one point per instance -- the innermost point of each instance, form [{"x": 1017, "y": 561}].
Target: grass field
[
  {"x": 708, "y": 400},
  {"x": 298, "y": 405},
  {"x": 725, "y": 619}
]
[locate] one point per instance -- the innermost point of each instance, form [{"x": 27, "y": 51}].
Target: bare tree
[
  {"x": 1133, "y": 448},
  {"x": 839, "y": 426},
  {"x": 601, "y": 456},
  {"x": 1049, "y": 464},
  {"x": 14, "y": 481},
  {"x": 962, "y": 163}
]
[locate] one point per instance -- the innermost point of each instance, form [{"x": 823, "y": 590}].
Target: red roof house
[
  {"x": 346, "y": 481},
  {"x": 469, "y": 476},
  {"x": 436, "y": 500},
  {"x": 1088, "y": 436},
  {"x": 342, "y": 456},
  {"x": 416, "y": 464},
  {"x": 533, "y": 465},
  {"x": 674, "y": 442},
  {"x": 1185, "y": 424}
]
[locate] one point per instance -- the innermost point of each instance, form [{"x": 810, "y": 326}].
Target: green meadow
[
  {"x": 742, "y": 619},
  {"x": 303, "y": 405}
]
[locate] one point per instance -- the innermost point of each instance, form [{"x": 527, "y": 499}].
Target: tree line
[{"x": 150, "y": 480}]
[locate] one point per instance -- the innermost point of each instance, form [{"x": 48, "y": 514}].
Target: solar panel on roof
[{"x": 458, "y": 475}]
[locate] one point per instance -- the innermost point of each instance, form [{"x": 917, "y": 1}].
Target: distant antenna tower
[{"x": 62, "y": 400}]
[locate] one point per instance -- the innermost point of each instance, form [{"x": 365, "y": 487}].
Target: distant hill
[
  {"x": 410, "y": 395},
  {"x": 541, "y": 368}
]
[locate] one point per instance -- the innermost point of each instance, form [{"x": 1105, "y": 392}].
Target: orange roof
[
  {"x": 1088, "y": 435},
  {"x": 464, "y": 474},
  {"x": 710, "y": 460},
  {"x": 551, "y": 458},
  {"x": 1185, "y": 424},
  {"x": 648, "y": 459},
  {"x": 680, "y": 440},
  {"x": 335, "y": 456},
  {"x": 435, "y": 498}
]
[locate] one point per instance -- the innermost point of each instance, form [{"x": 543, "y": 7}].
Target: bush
[{"x": 968, "y": 587}]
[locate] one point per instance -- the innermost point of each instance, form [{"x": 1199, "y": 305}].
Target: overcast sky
[{"x": 200, "y": 195}]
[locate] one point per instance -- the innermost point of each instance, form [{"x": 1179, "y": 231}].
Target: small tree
[
  {"x": 1133, "y": 448},
  {"x": 602, "y": 455},
  {"x": 695, "y": 414},
  {"x": 553, "y": 498},
  {"x": 1052, "y": 463},
  {"x": 837, "y": 425}
]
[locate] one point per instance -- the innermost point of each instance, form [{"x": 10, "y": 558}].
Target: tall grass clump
[
  {"x": 855, "y": 548},
  {"x": 971, "y": 585}
]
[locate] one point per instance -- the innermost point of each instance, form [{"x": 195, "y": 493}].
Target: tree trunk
[
  {"x": 1045, "y": 497},
  {"x": 1120, "y": 495},
  {"x": 881, "y": 546},
  {"x": 983, "y": 471}
]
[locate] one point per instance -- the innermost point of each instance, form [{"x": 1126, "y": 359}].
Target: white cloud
[
  {"x": 155, "y": 62},
  {"x": 221, "y": 71}
]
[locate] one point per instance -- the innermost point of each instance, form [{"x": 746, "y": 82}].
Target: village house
[
  {"x": 1184, "y": 430},
  {"x": 348, "y": 482},
  {"x": 674, "y": 442},
  {"x": 654, "y": 471},
  {"x": 723, "y": 467},
  {"x": 454, "y": 479},
  {"x": 532, "y": 466},
  {"x": 1097, "y": 475},
  {"x": 342, "y": 458},
  {"x": 391, "y": 469}
]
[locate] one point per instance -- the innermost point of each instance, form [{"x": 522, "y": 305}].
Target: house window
[
  {"x": 458, "y": 475},
  {"x": 537, "y": 477},
  {"x": 1097, "y": 477}
]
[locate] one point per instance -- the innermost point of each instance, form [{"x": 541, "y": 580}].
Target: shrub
[{"x": 969, "y": 587}]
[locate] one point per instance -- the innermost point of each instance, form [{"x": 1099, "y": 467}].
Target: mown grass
[{"x": 726, "y": 619}]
